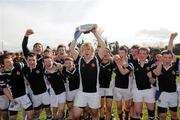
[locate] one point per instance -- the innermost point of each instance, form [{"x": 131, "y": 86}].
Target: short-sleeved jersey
[
  {"x": 167, "y": 79},
  {"x": 72, "y": 77},
  {"x": 35, "y": 78},
  {"x": 15, "y": 79},
  {"x": 89, "y": 74},
  {"x": 122, "y": 81},
  {"x": 56, "y": 81},
  {"x": 141, "y": 78},
  {"x": 105, "y": 76}
]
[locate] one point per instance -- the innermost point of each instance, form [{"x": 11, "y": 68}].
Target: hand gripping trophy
[{"x": 86, "y": 28}]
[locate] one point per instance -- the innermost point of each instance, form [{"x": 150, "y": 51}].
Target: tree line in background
[{"x": 114, "y": 46}]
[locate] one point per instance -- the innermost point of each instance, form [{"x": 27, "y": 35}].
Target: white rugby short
[
  {"x": 4, "y": 102},
  {"x": 178, "y": 91},
  {"x": 91, "y": 100},
  {"x": 106, "y": 92},
  {"x": 120, "y": 94},
  {"x": 40, "y": 99},
  {"x": 56, "y": 100},
  {"x": 167, "y": 100},
  {"x": 23, "y": 101},
  {"x": 70, "y": 95},
  {"x": 146, "y": 95}
]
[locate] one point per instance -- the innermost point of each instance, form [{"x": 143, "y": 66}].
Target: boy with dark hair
[
  {"x": 38, "y": 52},
  {"x": 34, "y": 73},
  {"x": 122, "y": 82},
  {"x": 12, "y": 76},
  {"x": 58, "y": 95},
  {"x": 134, "y": 52},
  {"x": 71, "y": 74},
  {"x": 4, "y": 102},
  {"x": 106, "y": 85},
  {"x": 144, "y": 91},
  {"x": 166, "y": 74},
  {"x": 61, "y": 54}
]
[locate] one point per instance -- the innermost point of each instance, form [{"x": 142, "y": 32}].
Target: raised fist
[
  {"x": 173, "y": 35},
  {"x": 116, "y": 58},
  {"x": 29, "y": 32}
]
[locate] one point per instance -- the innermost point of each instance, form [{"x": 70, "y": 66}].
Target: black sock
[
  {"x": 134, "y": 118},
  {"x": 151, "y": 114},
  {"x": 121, "y": 116},
  {"x": 141, "y": 115},
  {"x": 48, "y": 117},
  {"x": 126, "y": 114},
  {"x": 102, "y": 118},
  {"x": 67, "y": 114},
  {"x": 173, "y": 119}
]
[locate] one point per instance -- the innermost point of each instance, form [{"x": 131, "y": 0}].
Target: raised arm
[
  {"x": 72, "y": 46},
  {"x": 25, "y": 42},
  {"x": 100, "y": 41},
  {"x": 171, "y": 40}
]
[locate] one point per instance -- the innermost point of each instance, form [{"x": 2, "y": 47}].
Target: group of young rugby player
[{"x": 82, "y": 79}]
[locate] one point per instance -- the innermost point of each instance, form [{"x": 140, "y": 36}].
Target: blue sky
[{"x": 145, "y": 22}]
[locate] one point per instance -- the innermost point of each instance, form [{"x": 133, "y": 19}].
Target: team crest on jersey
[
  {"x": 8, "y": 80},
  {"x": 109, "y": 69},
  {"x": 173, "y": 72},
  {"x": 58, "y": 73},
  {"x": 148, "y": 68},
  {"x": 37, "y": 71},
  {"x": 93, "y": 65},
  {"x": 137, "y": 69},
  {"x": 83, "y": 65},
  {"x": 18, "y": 73}
]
